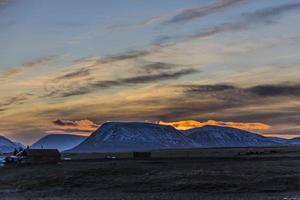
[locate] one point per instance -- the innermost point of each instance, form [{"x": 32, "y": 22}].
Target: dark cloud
[
  {"x": 106, "y": 84},
  {"x": 261, "y": 17},
  {"x": 75, "y": 126},
  {"x": 123, "y": 56},
  {"x": 157, "y": 77},
  {"x": 157, "y": 66},
  {"x": 267, "y": 14},
  {"x": 71, "y": 92},
  {"x": 275, "y": 90},
  {"x": 146, "y": 72},
  {"x": 209, "y": 88},
  {"x": 60, "y": 122},
  {"x": 258, "y": 90},
  {"x": 198, "y": 12},
  {"x": 18, "y": 99},
  {"x": 39, "y": 61},
  {"x": 74, "y": 74}
]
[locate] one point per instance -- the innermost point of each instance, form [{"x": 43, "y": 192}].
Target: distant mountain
[
  {"x": 279, "y": 140},
  {"x": 218, "y": 136},
  {"x": 58, "y": 141},
  {"x": 294, "y": 141},
  {"x": 133, "y": 136},
  {"x": 7, "y": 146}
]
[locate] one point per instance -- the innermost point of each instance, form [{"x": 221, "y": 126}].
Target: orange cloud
[
  {"x": 286, "y": 136},
  {"x": 189, "y": 124},
  {"x": 72, "y": 126}
]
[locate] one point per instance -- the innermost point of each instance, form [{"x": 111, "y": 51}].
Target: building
[{"x": 38, "y": 156}]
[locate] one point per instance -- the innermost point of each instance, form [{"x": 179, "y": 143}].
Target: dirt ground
[{"x": 197, "y": 178}]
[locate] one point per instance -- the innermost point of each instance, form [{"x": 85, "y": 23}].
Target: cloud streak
[
  {"x": 264, "y": 16},
  {"x": 131, "y": 81},
  {"x": 270, "y": 90},
  {"x": 199, "y": 12},
  {"x": 12, "y": 72},
  {"x": 13, "y": 100}
]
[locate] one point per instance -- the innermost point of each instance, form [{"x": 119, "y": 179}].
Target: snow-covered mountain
[
  {"x": 218, "y": 136},
  {"x": 294, "y": 141},
  {"x": 7, "y": 146},
  {"x": 58, "y": 141},
  {"x": 133, "y": 136},
  {"x": 282, "y": 141}
]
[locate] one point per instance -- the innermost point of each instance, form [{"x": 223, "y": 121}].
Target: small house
[{"x": 39, "y": 156}]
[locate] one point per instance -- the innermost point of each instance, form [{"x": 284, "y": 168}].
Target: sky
[{"x": 67, "y": 66}]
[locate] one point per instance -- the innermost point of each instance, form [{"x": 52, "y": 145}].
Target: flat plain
[{"x": 221, "y": 173}]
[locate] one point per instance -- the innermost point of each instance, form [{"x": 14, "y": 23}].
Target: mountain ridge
[{"x": 58, "y": 141}]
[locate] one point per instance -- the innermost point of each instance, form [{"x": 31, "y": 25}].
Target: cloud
[
  {"x": 12, "y": 72},
  {"x": 82, "y": 80},
  {"x": 73, "y": 126},
  {"x": 75, "y": 74},
  {"x": 123, "y": 56},
  {"x": 209, "y": 88},
  {"x": 268, "y": 90},
  {"x": 275, "y": 90},
  {"x": 264, "y": 16},
  {"x": 232, "y": 103},
  {"x": 131, "y": 81},
  {"x": 152, "y": 20},
  {"x": 122, "y": 82},
  {"x": 189, "y": 124},
  {"x": 17, "y": 99},
  {"x": 198, "y": 12}
]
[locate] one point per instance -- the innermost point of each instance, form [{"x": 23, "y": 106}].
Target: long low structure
[{"x": 35, "y": 156}]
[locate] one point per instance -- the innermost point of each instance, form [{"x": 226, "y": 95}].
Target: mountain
[
  {"x": 133, "y": 136},
  {"x": 294, "y": 141},
  {"x": 279, "y": 140},
  {"x": 218, "y": 136},
  {"x": 7, "y": 146},
  {"x": 58, "y": 141}
]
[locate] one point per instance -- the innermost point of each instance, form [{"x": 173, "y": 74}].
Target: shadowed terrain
[{"x": 228, "y": 176}]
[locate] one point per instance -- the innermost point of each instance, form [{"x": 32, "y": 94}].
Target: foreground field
[{"x": 228, "y": 177}]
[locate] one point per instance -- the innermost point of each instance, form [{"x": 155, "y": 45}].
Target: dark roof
[{"x": 42, "y": 152}]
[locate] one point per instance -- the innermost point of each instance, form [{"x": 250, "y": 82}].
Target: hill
[
  {"x": 133, "y": 136},
  {"x": 7, "y": 146},
  {"x": 218, "y": 136},
  {"x": 58, "y": 141}
]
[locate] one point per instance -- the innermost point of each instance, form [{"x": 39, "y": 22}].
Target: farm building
[{"x": 38, "y": 156}]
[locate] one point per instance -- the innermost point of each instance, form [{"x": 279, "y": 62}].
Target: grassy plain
[{"x": 221, "y": 173}]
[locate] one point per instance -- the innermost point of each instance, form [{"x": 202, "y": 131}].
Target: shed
[
  {"x": 141, "y": 155},
  {"x": 36, "y": 156}
]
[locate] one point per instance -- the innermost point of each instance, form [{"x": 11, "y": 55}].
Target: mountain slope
[
  {"x": 133, "y": 136},
  {"x": 58, "y": 141},
  {"x": 7, "y": 146},
  {"x": 218, "y": 136},
  {"x": 279, "y": 140},
  {"x": 294, "y": 141}
]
